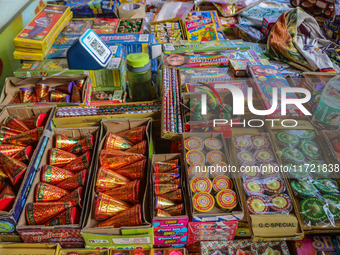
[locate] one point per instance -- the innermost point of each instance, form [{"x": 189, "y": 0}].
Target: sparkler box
[
  {"x": 125, "y": 237},
  {"x": 65, "y": 235},
  {"x": 9, "y": 220}
]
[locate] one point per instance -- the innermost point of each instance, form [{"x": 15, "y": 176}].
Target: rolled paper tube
[
  {"x": 164, "y": 167},
  {"x": 10, "y": 150},
  {"x": 7, "y": 198},
  {"x": 163, "y": 203},
  {"x": 14, "y": 124},
  {"x": 130, "y": 217},
  {"x": 36, "y": 121},
  {"x": 26, "y": 138},
  {"x": 60, "y": 158},
  {"x": 74, "y": 182},
  {"x": 41, "y": 92},
  {"x": 161, "y": 213},
  {"x": 140, "y": 148},
  {"x": 16, "y": 99},
  {"x": 115, "y": 142},
  {"x": 75, "y": 197},
  {"x": 107, "y": 179},
  {"x": 160, "y": 178},
  {"x": 68, "y": 217},
  {"x": 45, "y": 192},
  {"x": 175, "y": 196},
  {"x": 128, "y": 193},
  {"x": 66, "y": 88},
  {"x": 80, "y": 163},
  {"x": 76, "y": 94},
  {"x": 134, "y": 171},
  {"x": 25, "y": 95},
  {"x": 174, "y": 208},
  {"x": 39, "y": 213},
  {"x": 54, "y": 175},
  {"x": 58, "y": 96},
  {"x": 135, "y": 135},
  {"x": 106, "y": 207},
  {"x": 114, "y": 159},
  {"x": 14, "y": 169},
  {"x": 25, "y": 155},
  {"x": 74, "y": 146},
  {"x": 161, "y": 189}
]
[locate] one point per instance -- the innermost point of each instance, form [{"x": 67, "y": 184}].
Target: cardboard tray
[
  {"x": 180, "y": 21},
  {"x": 8, "y": 220},
  {"x": 29, "y": 249},
  {"x": 12, "y": 85},
  {"x": 110, "y": 236},
  {"x": 63, "y": 234}
]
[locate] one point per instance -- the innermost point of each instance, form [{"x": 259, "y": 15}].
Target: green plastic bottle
[{"x": 139, "y": 77}]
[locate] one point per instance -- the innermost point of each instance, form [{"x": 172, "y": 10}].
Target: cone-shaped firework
[
  {"x": 115, "y": 142},
  {"x": 74, "y": 182},
  {"x": 80, "y": 163},
  {"x": 36, "y": 121},
  {"x": 54, "y": 175},
  {"x": 107, "y": 179},
  {"x": 47, "y": 193},
  {"x": 74, "y": 146},
  {"x": 41, "y": 92},
  {"x": 14, "y": 124},
  {"x": 13, "y": 168},
  {"x": 175, "y": 196},
  {"x": 10, "y": 150},
  {"x": 25, "y": 95},
  {"x": 69, "y": 216},
  {"x": 175, "y": 210},
  {"x": 6, "y": 133},
  {"x": 165, "y": 178},
  {"x": 16, "y": 99},
  {"x": 133, "y": 171},
  {"x": 80, "y": 83},
  {"x": 58, "y": 96},
  {"x": 3, "y": 173},
  {"x": 75, "y": 197},
  {"x": 107, "y": 207},
  {"x": 114, "y": 159},
  {"x": 7, "y": 198},
  {"x": 163, "y": 203},
  {"x": 135, "y": 135},
  {"x": 25, "y": 155},
  {"x": 161, "y": 213},
  {"x": 128, "y": 193},
  {"x": 165, "y": 167},
  {"x": 61, "y": 158},
  {"x": 77, "y": 91},
  {"x": 140, "y": 148},
  {"x": 66, "y": 88},
  {"x": 26, "y": 138},
  {"x": 39, "y": 213},
  {"x": 2, "y": 182},
  {"x": 130, "y": 217},
  {"x": 161, "y": 189}
]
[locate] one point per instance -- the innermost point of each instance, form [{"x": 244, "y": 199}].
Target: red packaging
[
  {"x": 69, "y": 216},
  {"x": 47, "y": 193},
  {"x": 75, "y": 197},
  {"x": 74, "y": 146},
  {"x": 80, "y": 163},
  {"x": 74, "y": 182},
  {"x": 25, "y": 155},
  {"x": 135, "y": 135},
  {"x": 26, "y": 138},
  {"x": 115, "y": 142},
  {"x": 10, "y": 150},
  {"x": 54, "y": 175},
  {"x": 114, "y": 159},
  {"x": 60, "y": 158},
  {"x": 41, "y": 92},
  {"x": 134, "y": 171},
  {"x": 107, "y": 179},
  {"x": 15, "y": 124},
  {"x": 140, "y": 148},
  {"x": 7, "y": 198},
  {"x": 128, "y": 193},
  {"x": 13, "y": 168},
  {"x": 107, "y": 207},
  {"x": 36, "y": 121}
]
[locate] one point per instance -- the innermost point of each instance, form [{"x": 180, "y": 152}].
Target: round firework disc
[
  {"x": 333, "y": 202},
  {"x": 298, "y": 171},
  {"x": 193, "y": 143},
  {"x": 310, "y": 149},
  {"x": 245, "y": 158},
  {"x": 195, "y": 157},
  {"x": 200, "y": 185},
  {"x": 193, "y": 171},
  {"x": 274, "y": 185},
  {"x": 243, "y": 142},
  {"x": 303, "y": 188},
  {"x": 213, "y": 144},
  {"x": 326, "y": 185},
  {"x": 222, "y": 182},
  {"x": 268, "y": 169},
  {"x": 253, "y": 187},
  {"x": 280, "y": 202},
  {"x": 336, "y": 144},
  {"x": 292, "y": 155},
  {"x": 219, "y": 166},
  {"x": 259, "y": 142},
  {"x": 250, "y": 172},
  {"x": 264, "y": 155},
  {"x": 226, "y": 199},
  {"x": 287, "y": 139},
  {"x": 215, "y": 156},
  {"x": 257, "y": 204},
  {"x": 312, "y": 209},
  {"x": 318, "y": 167},
  {"x": 306, "y": 134},
  {"x": 203, "y": 202}
]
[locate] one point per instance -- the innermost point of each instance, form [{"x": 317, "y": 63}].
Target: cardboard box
[
  {"x": 128, "y": 237},
  {"x": 83, "y": 251},
  {"x": 12, "y": 85},
  {"x": 29, "y": 249},
  {"x": 9, "y": 220},
  {"x": 154, "y": 31},
  {"x": 169, "y": 231},
  {"x": 133, "y": 20},
  {"x": 65, "y": 235},
  {"x": 328, "y": 137},
  {"x": 316, "y": 244}
]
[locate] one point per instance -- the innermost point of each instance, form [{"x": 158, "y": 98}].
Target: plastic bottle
[
  {"x": 139, "y": 77},
  {"x": 327, "y": 114}
]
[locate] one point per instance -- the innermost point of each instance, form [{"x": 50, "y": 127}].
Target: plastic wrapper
[{"x": 172, "y": 10}]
